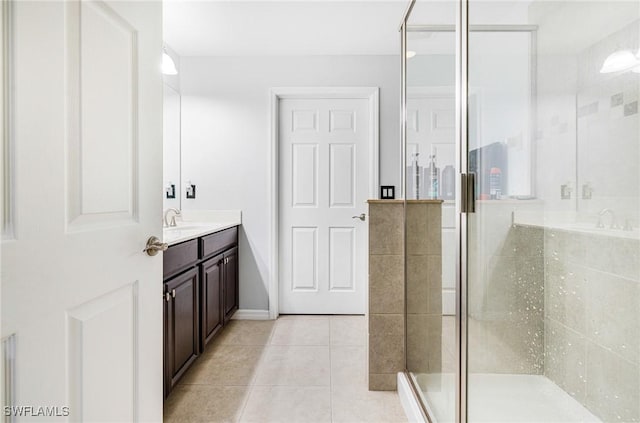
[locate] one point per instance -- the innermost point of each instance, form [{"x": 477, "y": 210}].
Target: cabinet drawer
[
  {"x": 218, "y": 242},
  {"x": 179, "y": 257}
]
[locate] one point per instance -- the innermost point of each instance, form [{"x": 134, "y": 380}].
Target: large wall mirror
[
  {"x": 607, "y": 127},
  {"x": 171, "y": 192}
]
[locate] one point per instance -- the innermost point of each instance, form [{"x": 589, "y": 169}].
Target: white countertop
[{"x": 208, "y": 222}]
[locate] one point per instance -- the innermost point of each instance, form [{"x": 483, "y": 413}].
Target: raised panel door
[
  {"x": 183, "y": 324},
  {"x": 78, "y": 292},
  {"x": 230, "y": 283},
  {"x": 212, "y": 317},
  {"x": 324, "y": 174}
]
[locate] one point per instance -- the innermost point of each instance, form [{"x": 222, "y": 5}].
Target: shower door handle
[{"x": 468, "y": 192}]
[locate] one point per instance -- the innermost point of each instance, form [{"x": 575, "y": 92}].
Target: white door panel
[
  {"x": 78, "y": 292},
  {"x": 431, "y": 130},
  {"x": 323, "y": 183}
]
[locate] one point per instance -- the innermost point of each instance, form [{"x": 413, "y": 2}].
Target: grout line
[
  {"x": 330, "y": 375},
  {"x": 252, "y": 382}
]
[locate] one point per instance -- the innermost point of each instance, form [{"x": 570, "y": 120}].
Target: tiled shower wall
[
  {"x": 506, "y": 304},
  {"x": 505, "y": 297},
  {"x": 387, "y": 290},
  {"x": 607, "y": 148},
  {"x": 560, "y": 303},
  {"x": 592, "y": 321}
]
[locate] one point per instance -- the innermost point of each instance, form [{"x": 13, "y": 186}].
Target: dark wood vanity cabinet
[
  {"x": 200, "y": 297},
  {"x": 182, "y": 323}
]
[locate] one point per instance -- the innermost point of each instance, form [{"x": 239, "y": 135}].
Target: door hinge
[{"x": 468, "y": 193}]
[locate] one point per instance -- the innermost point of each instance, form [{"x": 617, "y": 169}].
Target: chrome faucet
[
  {"x": 600, "y": 224},
  {"x": 171, "y": 223}
]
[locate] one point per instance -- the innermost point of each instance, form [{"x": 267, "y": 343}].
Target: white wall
[
  {"x": 171, "y": 133},
  {"x": 173, "y": 80},
  {"x": 225, "y": 137},
  {"x": 171, "y": 146}
]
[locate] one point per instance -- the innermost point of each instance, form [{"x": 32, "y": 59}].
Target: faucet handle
[{"x": 173, "y": 220}]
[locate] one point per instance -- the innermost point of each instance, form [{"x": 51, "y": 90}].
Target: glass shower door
[
  {"x": 430, "y": 204},
  {"x": 553, "y": 275}
]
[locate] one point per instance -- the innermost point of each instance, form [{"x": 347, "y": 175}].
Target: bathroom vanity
[{"x": 200, "y": 277}]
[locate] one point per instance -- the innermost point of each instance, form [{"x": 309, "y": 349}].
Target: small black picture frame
[{"x": 387, "y": 192}]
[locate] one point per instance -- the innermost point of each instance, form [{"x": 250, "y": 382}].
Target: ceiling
[
  {"x": 370, "y": 27},
  {"x": 262, "y": 28}
]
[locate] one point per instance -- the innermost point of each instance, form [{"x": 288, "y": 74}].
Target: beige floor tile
[
  {"x": 355, "y": 404},
  {"x": 246, "y": 375},
  {"x": 203, "y": 403},
  {"x": 348, "y": 330},
  {"x": 225, "y": 365},
  {"x": 246, "y": 332},
  {"x": 349, "y": 366},
  {"x": 270, "y": 404},
  {"x": 294, "y": 366},
  {"x": 301, "y": 332}
]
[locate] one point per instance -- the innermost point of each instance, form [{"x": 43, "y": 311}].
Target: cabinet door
[
  {"x": 212, "y": 274},
  {"x": 230, "y": 282},
  {"x": 183, "y": 341}
]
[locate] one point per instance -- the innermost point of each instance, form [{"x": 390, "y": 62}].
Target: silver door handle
[
  {"x": 361, "y": 217},
  {"x": 154, "y": 245}
]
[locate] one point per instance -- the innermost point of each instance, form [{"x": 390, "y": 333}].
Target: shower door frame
[
  {"x": 465, "y": 199},
  {"x": 461, "y": 220}
]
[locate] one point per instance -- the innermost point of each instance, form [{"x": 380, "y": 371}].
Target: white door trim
[{"x": 275, "y": 95}]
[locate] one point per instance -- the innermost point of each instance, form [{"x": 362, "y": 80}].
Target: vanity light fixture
[
  {"x": 621, "y": 60},
  {"x": 168, "y": 66}
]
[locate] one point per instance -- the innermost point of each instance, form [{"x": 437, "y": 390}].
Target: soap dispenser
[{"x": 434, "y": 177}]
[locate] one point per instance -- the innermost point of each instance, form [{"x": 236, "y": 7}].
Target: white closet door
[{"x": 323, "y": 184}]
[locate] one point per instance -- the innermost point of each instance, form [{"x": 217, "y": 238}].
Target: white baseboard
[
  {"x": 244, "y": 314},
  {"x": 409, "y": 401}
]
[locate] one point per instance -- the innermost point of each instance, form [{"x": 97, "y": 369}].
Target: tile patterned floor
[{"x": 297, "y": 369}]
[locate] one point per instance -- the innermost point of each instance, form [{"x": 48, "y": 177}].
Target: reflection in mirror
[
  {"x": 499, "y": 138},
  {"x": 608, "y": 168},
  {"x": 171, "y": 149}
]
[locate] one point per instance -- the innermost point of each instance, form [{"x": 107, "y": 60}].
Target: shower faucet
[{"x": 603, "y": 212}]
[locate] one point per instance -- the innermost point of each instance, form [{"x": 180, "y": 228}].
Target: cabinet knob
[
  {"x": 173, "y": 293},
  {"x": 154, "y": 245},
  {"x": 167, "y": 297}
]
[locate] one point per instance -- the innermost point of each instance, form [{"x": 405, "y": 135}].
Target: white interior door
[
  {"x": 431, "y": 130},
  {"x": 323, "y": 184},
  {"x": 82, "y": 299}
]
